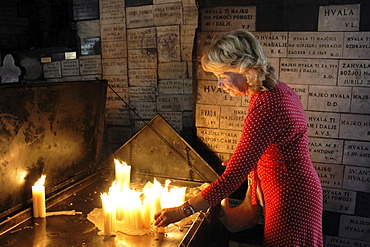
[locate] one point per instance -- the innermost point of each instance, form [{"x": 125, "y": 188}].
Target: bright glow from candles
[
  {"x": 38, "y": 198},
  {"x": 22, "y": 176},
  {"x": 123, "y": 173},
  {"x": 109, "y": 214}
]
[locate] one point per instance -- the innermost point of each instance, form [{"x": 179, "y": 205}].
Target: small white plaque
[
  {"x": 222, "y": 141},
  {"x": 274, "y": 43},
  {"x": 114, "y": 66},
  {"x": 141, "y": 16},
  {"x": 232, "y": 117},
  {"x": 339, "y": 17},
  {"x": 360, "y": 100},
  {"x": 170, "y": 86},
  {"x": 331, "y": 241},
  {"x": 309, "y": 71},
  {"x": 172, "y": 70},
  {"x": 143, "y": 77},
  {"x": 324, "y": 98},
  {"x": 141, "y": 38},
  {"x": 142, "y": 94},
  {"x": 356, "y": 178},
  {"x": 321, "y": 124},
  {"x": 355, "y": 127},
  {"x": 209, "y": 93},
  {"x": 326, "y": 150},
  {"x": 315, "y": 44},
  {"x": 170, "y": 103},
  {"x": 118, "y": 82},
  {"x": 354, "y": 227},
  {"x": 355, "y": 73},
  {"x": 356, "y": 45},
  {"x": 340, "y": 201},
  {"x": 90, "y": 65},
  {"x": 356, "y": 153},
  {"x": 228, "y": 18},
  {"x": 167, "y": 14},
  {"x": 113, "y": 32},
  {"x": 330, "y": 175},
  {"x": 142, "y": 59},
  {"x": 168, "y": 43},
  {"x": 70, "y": 67},
  {"x": 115, "y": 49},
  {"x": 207, "y": 116},
  {"x": 52, "y": 70}
]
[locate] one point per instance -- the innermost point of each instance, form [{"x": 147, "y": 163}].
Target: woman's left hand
[{"x": 167, "y": 216}]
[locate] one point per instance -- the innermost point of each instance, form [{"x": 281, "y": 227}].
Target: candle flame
[
  {"x": 41, "y": 180},
  {"x": 119, "y": 163}
]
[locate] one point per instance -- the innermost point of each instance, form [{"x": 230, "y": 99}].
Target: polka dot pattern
[{"x": 274, "y": 144}]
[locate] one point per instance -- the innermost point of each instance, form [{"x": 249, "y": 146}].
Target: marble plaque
[
  {"x": 187, "y": 33},
  {"x": 355, "y": 127},
  {"x": 187, "y": 102},
  {"x": 228, "y": 18},
  {"x": 207, "y": 116},
  {"x": 331, "y": 241},
  {"x": 354, "y": 227},
  {"x": 354, "y": 73},
  {"x": 119, "y": 83},
  {"x": 143, "y": 77},
  {"x": 142, "y": 38},
  {"x": 174, "y": 119},
  {"x": 88, "y": 29},
  {"x": 186, "y": 52},
  {"x": 172, "y": 86},
  {"x": 170, "y": 103},
  {"x": 115, "y": 49},
  {"x": 326, "y": 150},
  {"x": 340, "y": 201},
  {"x": 222, "y": 141},
  {"x": 274, "y": 43},
  {"x": 209, "y": 93},
  {"x": 142, "y": 94},
  {"x": 117, "y": 116},
  {"x": 115, "y": 101},
  {"x": 168, "y": 43},
  {"x": 190, "y": 15},
  {"x": 70, "y": 67},
  {"x": 309, "y": 71},
  {"x": 356, "y": 153},
  {"x": 114, "y": 66},
  {"x": 144, "y": 110},
  {"x": 322, "y": 124},
  {"x": 357, "y": 178},
  {"x": 113, "y": 32},
  {"x": 90, "y": 46},
  {"x": 339, "y": 17},
  {"x": 302, "y": 92},
  {"x": 90, "y": 65},
  {"x": 167, "y": 14},
  {"x": 356, "y": 45},
  {"x": 85, "y": 12},
  {"x": 326, "y": 98},
  {"x": 188, "y": 86},
  {"x": 315, "y": 44},
  {"x": 52, "y": 70},
  {"x": 141, "y": 16},
  {"x": 360, "y": 100},
  {"x": 142, "y": 59},
  {"x": 330, "y": 175},
  {"x": 173, "y": 70},
  {"x": 112, "y": 12},
  {"x": 232, "y": 118}
]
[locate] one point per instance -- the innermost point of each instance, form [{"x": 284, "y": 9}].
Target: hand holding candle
[{"x": 38, "y": 198}]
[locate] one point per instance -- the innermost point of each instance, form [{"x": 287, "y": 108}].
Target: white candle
[
  {"x": 109, "y": 214},
  {"x": 38, "y": 198},
  {"x": 123, "y": 173}
]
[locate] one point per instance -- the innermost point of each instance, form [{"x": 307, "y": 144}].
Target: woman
[{"x": 273, "y": 149}]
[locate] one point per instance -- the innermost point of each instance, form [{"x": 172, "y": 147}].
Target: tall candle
[
  {"x": 123, "y": 173},
  {"x": 38, "y": 198},
  {"x": 109, "y": 214}
]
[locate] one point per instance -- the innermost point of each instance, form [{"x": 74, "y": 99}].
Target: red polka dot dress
[{"x": 274, "y": 145}]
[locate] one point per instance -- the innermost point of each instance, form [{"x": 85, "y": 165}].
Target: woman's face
[{"x": 233, "y": 83}]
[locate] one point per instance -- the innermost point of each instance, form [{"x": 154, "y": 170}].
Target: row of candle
[{"x": 136, "y": 208}]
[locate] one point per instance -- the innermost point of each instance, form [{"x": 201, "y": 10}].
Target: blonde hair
[{"x": 239, "y": 51}]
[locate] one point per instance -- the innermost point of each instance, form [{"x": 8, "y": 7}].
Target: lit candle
[
  {"x": 123, "y": 173},
  {"x": 109, "y": 214},
  {"x": 38, "y": 198}
]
